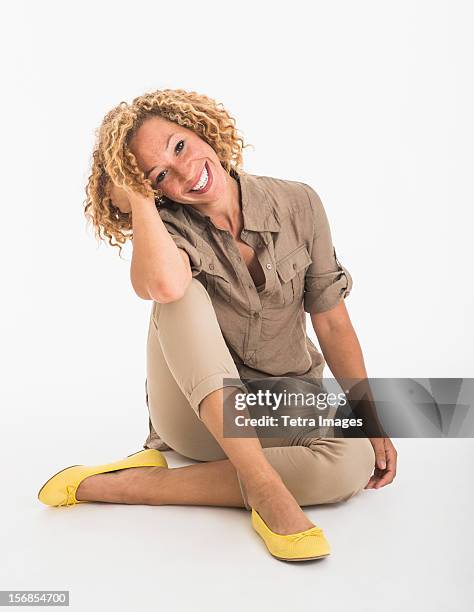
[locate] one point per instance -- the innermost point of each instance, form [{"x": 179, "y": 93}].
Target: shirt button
[
  {"x": 250, "y": 286},
  {"x": 239, "y": 258},
  {"x": 211, "y": 266},
  {"x": 294, "y": 266},
  {"x": 269, "y": 266},
  {"x": 256, "y": 315}
]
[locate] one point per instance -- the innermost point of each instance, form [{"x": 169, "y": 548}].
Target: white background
[{"x": 371, "y": 104}]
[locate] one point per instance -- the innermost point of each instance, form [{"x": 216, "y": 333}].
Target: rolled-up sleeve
[
  {"x": 183, "y": 239},
  {"x": 327, "y": 281}
]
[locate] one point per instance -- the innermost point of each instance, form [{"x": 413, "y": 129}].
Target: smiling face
[{"x": 179, "y": 162}]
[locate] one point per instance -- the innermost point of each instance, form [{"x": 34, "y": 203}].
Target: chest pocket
[
  {"x": 291, "y": 272},
  {"x": 217, "y": 284}
]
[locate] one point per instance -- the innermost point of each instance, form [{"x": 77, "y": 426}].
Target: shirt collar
[
  {"x": 257, "y": 212},
  {"x": 256, "y": 209}
]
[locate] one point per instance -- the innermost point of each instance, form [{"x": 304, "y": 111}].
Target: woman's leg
[
  {"x": 187, "y": 361},
  {"x": 315, "y": 470},
  {"x": 186, "y": 401}
]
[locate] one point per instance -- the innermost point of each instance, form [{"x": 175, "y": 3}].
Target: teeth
[{"x": 202, "y": 181}]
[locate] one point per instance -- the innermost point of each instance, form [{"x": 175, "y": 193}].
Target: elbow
[
  {"x": 140, "y": 289},
  {"x": 158, "y": 294},
  {"x": 159, "y": 291},
  {"x": 165, "y": 297},
  {"x": 164, "y": 294}
]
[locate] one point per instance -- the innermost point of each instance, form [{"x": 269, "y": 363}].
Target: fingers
[
  {"x": 373, "y": 479},
  {"x": 380, "y": 455},
  {"x": 391, "y": 470},
  {"x": 370, "y": 484},
  {"x": 119, "y": 199},
  {"x": 382, "y": 477},
  {"x": 386, "y": 479}
]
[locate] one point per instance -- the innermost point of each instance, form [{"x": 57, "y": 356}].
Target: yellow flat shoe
[
  {"x": 61, "y": 488},
  {"x": 302, "y": 546}
]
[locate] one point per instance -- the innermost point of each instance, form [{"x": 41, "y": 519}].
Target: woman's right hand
[{"x": 120, "y": 199}]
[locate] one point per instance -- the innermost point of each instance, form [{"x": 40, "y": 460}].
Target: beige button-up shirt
[{"x": 264, "y": 327}]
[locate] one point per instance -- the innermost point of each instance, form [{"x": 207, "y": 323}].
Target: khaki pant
[{"x": 187, "y": 358}]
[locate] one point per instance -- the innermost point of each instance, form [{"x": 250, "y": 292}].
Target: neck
[{"x": 226, "y": 212}]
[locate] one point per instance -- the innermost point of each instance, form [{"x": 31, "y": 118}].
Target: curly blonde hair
[{"x": 114, "y": 163}]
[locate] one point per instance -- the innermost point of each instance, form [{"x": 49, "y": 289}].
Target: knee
[
  {"x": 356, "y": 466},
  {"x": 195, "y": 290},
  {"x": 350, "y": 463},
  {"x": 194, "y": 302}
]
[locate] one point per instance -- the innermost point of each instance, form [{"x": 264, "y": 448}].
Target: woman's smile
[{"x": 204, "y": 182}]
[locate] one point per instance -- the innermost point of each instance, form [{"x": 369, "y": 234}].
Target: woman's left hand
[{"x": 385, "y": 463}]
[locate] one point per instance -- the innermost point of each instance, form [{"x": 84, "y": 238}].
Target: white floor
[{"x": 408, "y": 544}]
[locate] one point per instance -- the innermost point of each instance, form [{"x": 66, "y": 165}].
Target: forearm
[
  {"x": 157, "y": 271},
  {"x": 342, "y": 351},
  {"x": 343, "y": 355}
]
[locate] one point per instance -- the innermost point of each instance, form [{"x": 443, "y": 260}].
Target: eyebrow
[{"x": 148, "y": 172}]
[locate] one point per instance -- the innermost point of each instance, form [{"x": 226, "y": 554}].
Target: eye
[
  {"x": 178, "y": 148},
  {"x": 160, "y": 177}
]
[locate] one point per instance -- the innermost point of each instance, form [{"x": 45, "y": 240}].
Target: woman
[{"x": 231, "y": 263}]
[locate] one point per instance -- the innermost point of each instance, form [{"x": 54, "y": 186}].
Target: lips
[{"x": 208, "y": 184}]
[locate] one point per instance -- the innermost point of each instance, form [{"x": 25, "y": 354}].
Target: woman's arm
[
  {"x": 339, "y": 343},
  {"x": 343, "y": 354},
  {"x": 159, "y": 270}
]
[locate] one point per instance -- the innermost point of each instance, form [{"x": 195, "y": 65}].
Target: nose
[{"x": 182, "y": 170}]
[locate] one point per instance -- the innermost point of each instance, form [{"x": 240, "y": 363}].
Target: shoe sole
[
  {"x": 70, "y": 466},
  {"x": 302, "y": 558}
]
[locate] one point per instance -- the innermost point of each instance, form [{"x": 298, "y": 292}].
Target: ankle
[
  {"x": 261, "y": 478},
  {"x": 260, "y": 491}
]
